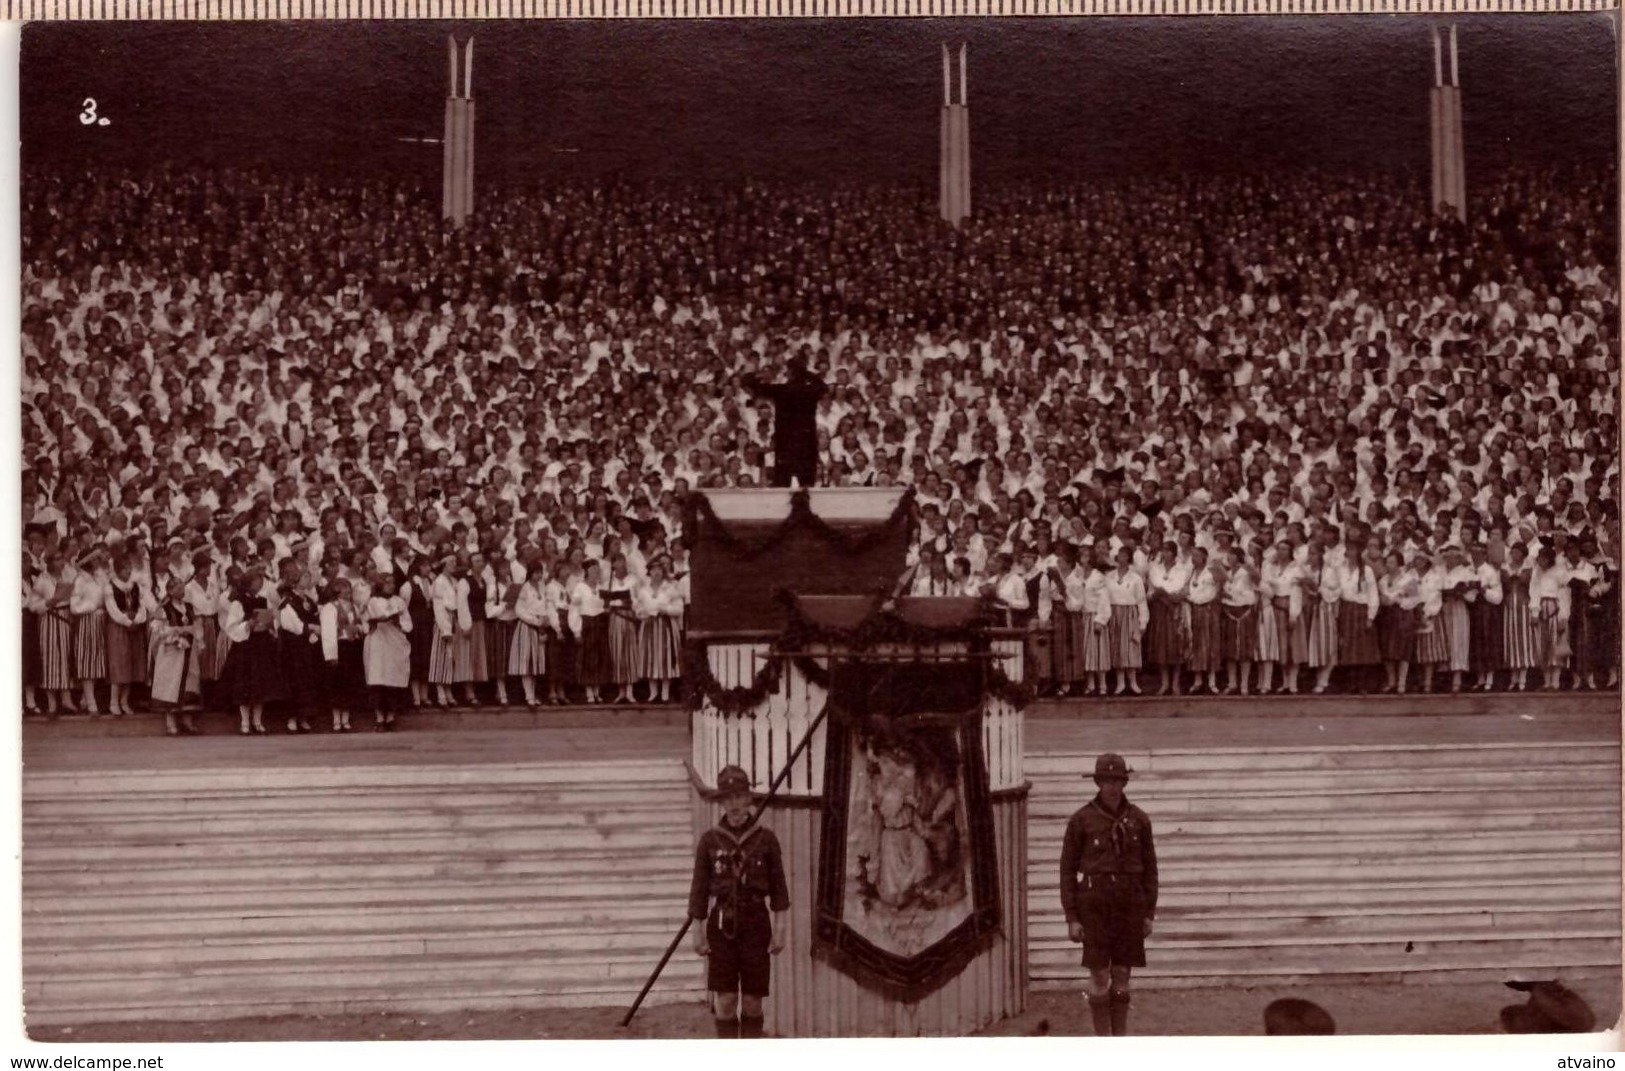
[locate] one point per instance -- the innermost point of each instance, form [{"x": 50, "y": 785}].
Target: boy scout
[
  {"x": 1109, "y": 892},
  {"x": 738, "y": 878}
]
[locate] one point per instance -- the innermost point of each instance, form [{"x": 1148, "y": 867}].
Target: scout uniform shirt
[
  {"x": 734, "y": 870},
  {"x": 1099, "y": 842}
]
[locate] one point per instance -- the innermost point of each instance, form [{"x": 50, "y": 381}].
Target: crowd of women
[{"x": 296, "y": 443}]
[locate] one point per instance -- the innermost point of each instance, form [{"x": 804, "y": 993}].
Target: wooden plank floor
[{"x": 1080, "y": 735}]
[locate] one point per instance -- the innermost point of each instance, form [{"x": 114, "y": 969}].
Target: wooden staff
[{"x": 755, "y": 814}]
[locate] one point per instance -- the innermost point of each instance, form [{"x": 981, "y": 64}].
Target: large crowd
[{"x": 297, "y": 443}]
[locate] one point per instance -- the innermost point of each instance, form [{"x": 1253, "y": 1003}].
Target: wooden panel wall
[{"x": 810, "y": 998}]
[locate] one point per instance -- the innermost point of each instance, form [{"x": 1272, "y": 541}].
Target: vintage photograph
[{"x": 797, "y": 528}]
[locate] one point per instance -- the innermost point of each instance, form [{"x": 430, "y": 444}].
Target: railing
[{"x": 761, "y": 743}]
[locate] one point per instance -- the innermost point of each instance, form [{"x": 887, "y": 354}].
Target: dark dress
[
  {"x": 32, "y": 663},
  {"x": 1396, "y": 633},
  {"x": 1486, "y": 630},
  {"x": 1602, "y": 624},
  {"x": 563, "y": 649},
  {"x": 254, "y": 668},
  {"x": 1581, "y": 641},
  {"x": 1164, "y": 636},
  {"x": 498, "y": 640},
  {"x": 126, "y": 644},
  {"x": 593, "y": 666},
  {"x": 303, "y": 670},
  {"x": 795, "y": 428},
  {"x": 346, "y": 679},
  {"x": 421, "y": 610}
]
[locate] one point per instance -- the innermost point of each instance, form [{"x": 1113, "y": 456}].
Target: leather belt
[{"x": 1091, "y": 880}]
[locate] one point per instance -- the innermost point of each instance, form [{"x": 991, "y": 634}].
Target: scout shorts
[
  {"x": 1112, "y": 912},
  {"x": 741, "y": 963}
]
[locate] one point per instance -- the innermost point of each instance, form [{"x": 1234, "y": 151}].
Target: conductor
[{"x": 795, "y": 431}]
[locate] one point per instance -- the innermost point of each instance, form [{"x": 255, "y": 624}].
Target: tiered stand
[{"x": 762, "y": 705}]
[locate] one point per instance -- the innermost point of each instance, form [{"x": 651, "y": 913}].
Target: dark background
[{"x": 820, "y": 99}]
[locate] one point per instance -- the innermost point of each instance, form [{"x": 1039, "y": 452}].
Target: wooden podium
[{"x": 843, "y": 669}]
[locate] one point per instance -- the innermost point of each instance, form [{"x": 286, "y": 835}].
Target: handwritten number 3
[{"x": 88, "y": 117}]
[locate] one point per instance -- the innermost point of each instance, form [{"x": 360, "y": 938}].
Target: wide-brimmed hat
[
  {"x": 732, "y": 779},
  {"x": 1111, "y": 767}
]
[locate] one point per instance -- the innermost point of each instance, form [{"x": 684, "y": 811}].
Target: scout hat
[
  {"x": 732, "y": 779},
  {"x": 1291, "y": 1016},
  {"x": 1553, "y": 1008},
  {"x": 1111, "y": 766}
]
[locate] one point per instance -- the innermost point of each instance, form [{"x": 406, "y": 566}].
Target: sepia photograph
[{"x": 771, "y": 528}]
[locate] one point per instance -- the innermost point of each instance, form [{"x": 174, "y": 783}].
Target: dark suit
[{"x": 795, "y": 428}]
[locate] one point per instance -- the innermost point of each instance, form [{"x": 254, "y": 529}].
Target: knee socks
[
  {"x": 1119, "y": 1012},
  {"x": 1101, "y": 1012}
]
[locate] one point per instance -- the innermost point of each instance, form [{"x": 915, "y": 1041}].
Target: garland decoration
[
  {"x": 743, "y": 700},
  {"x": 702, "y": 524},
  {"x": 882, "y": 625}
]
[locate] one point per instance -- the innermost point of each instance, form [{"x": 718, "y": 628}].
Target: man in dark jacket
[
  {"x": 740, "y": 893},
  {"x": 1109, "y": 892},
  {"x": 795, "y": 427}
]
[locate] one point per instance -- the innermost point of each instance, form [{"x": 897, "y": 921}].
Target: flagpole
[{"x": 772, "y": 790}]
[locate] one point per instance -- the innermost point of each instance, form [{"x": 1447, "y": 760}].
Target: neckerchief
[{"x": 1120, "y": 824}]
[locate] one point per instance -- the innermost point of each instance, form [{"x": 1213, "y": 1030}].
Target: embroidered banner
[{"x": 907, "y": 883}]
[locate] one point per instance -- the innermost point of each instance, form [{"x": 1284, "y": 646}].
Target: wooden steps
[
  {"x": 1356, "y": 862},
  {"x": 234, "y": 891},
  {"x": 385, "y": 876}
]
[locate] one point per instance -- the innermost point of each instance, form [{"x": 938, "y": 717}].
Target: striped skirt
[
  {"x": 1396, "y": 633},
  {"x": 593, "y": 664},
  {"x": 1297, "y": 633},
  {"x": 1458, "y": 629},
  {"x": 1273, "y": 625},
  {"x": 473, "y": 670},
  {"x": 56, "y": 651},
  {"x": 658, "y": 645},
  {"x": 1070, "y": 654},
  {"x": 498, "y": 648},
  {"x": 1238, "y": 633},
  {"x": 1323, "y": 634},
  {"x": 1554, "y": 635},
  {"x": 1204, "y": 653},
  {"x": 222, "y": 651},
  {"x": 1165, "y": 635},
  {"x": 1432, "y": 640},
  {"x": 1487, "y": 632},
  {"x": 1097, "y": 645},
  {"x": 126, "y": 653},
  {"x": 527, "y": 651},
  {"x": 1125, "y": 630},
  {"x": 207, "y": 650},
  {"x": 1356, "y": 635},
  {"x": 1065, "y": 654},
  {"x": 624, "y": 657},
  {"x": 90, "y": 646},
  {"x": 456, "y": 658},
  {"x": 1520, "y": 643}
]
